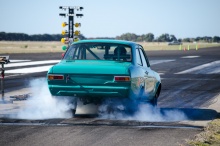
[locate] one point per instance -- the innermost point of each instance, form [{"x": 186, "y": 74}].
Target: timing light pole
[
  {"x": 72, "y": 36},
  {"x": 3, "y": 60}
]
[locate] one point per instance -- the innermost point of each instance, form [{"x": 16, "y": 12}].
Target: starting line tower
[{"x": 73, "y": 36}]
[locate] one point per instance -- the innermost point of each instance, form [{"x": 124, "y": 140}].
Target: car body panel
[{"x": 95, "y": 79}]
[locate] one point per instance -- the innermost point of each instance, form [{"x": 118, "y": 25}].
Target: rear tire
[
  {"x": 73, "y": 112},
  {"x": 73, "y": 104},
  {"x": 154, "y": 100},
  {"x": 71, "y": 101}
]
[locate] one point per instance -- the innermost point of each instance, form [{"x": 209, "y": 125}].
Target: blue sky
[{"x": 105, "y": 18}]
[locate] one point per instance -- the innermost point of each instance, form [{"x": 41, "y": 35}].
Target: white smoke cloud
[
  {"x": 145, "y": 112},
  {"x": 41, "y": 105}
]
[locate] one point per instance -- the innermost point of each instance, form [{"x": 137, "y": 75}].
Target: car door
[{"x": 149, "y": 80}]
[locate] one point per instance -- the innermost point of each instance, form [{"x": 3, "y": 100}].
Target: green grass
[{"x": 8, "y": 47}]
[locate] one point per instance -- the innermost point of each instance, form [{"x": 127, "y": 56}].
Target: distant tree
[
  {"x": 197, "y": 39},
  {"x": 148, "y": 37},
  {"x": 139, "y": 39},
  {"x": 3, "y": 36},
  {"x": 216, "y": 39},
  {"x": 179, "y": 40},
  {"x": 186, "y": 40},
  {"x": 173, "y": 38},
  {"x": 128, "y": 37},
  {"x": 207, "y": 39},
  {"x": 164, "y": 38}
]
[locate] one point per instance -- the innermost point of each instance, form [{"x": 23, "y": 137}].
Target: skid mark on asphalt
[
  {"x": 146, "y": 126},
  {"x": 208, "y": 68}
]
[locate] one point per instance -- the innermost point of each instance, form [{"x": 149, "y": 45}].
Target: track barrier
[
  {"x": 180, "y": 47},
  {"x": 197, "y": 47}
]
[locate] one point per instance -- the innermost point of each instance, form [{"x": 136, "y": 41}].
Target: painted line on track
[
  {"x": 14, "y": 61},
  {"x": 31, "y": 63},
  {"x": 208, "y": 68},
  {"x": 154, "y": 62},
  {"x": 189, "y": 57},
  {"x": 38, "y": 69},
  {"x": 30, "y": 69}
]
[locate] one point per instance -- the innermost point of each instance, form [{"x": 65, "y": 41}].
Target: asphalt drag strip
[{"x": 95, "y": 122}]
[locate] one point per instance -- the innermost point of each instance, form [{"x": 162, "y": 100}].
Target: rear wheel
[
  {"x": 154, "y": 100},
  {"x": 70, "y": 101},
  {"x": 73, "y": 112}
]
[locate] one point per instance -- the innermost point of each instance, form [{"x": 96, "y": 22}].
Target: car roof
[{"x": 106, "y": 41}]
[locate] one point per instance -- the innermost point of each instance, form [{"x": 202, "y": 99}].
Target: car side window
[
  {"x": 138, "y": 58},
  {"x": 144, "y": 58}
]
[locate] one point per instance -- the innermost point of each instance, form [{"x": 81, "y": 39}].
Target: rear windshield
[{"x": 99, "y": 51}]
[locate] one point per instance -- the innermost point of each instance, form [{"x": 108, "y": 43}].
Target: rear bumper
[{"x": 90, "y": 91}]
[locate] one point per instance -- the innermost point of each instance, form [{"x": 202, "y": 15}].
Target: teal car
[{"x": 95, "y": 70}]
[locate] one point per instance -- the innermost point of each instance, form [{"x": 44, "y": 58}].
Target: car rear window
[{"x": 99, "y": 51}]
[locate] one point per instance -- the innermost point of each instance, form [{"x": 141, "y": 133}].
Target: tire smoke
[
  {"x": 42, "y": 105},
  {"x": 142, "y": 112}
]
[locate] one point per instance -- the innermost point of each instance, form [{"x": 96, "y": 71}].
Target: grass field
[
  {"x": 9, "y": 47},
  {"x": 29, "y": 47},
  {"x": 164, "y": 46}
]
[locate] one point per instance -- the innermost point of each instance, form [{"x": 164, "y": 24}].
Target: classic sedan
[{"x": 94, "y": 70}]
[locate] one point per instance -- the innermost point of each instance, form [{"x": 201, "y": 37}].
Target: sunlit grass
[
  {"x": 29, "y": 47},
  {"x": 8, "y": 47},
  {"x": 165, "y": 46}
]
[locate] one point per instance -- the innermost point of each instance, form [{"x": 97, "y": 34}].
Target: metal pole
[
  {"x": 2, "y": 81},
  {"x": 71, "y": 26}
]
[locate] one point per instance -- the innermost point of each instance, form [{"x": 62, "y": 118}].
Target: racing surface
[{"x": 190, "y": 85}]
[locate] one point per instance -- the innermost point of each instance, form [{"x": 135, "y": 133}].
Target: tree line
[
  {"x": 36, "y": 37},
  {"x": 149, "y": 37}
]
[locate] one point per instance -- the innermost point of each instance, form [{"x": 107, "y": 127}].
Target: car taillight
[
  {"x": 55, "y": 77},
  {"x": 122, "y": 78}
]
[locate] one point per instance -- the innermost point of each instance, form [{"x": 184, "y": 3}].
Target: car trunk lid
[{"x": 80, "y": 72}]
